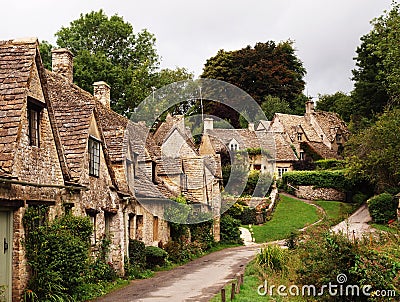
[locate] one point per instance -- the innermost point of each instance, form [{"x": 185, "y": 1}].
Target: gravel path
[{"x": 197, "y": 281}]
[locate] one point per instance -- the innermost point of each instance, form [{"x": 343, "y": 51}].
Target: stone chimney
[
  {"x": 208, "y": 124},
  {"x": 309, "y": 107},
  {"x": 101, "y": 91},
  {"x": 251, "y": 126},
  {"x": 62, "y": 63}
]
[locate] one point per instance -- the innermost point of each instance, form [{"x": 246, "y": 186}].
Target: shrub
[
  {"x": 320, "y": 179},
  {"x": 382, "y": 208},
  {"x": 137, "y": 256},
  {"x": 155, "y": 256},
  {"x": 248, "y": 216},
  {"x": 229, "y": 227},
  {"x": 330, "y": 163},
  {"x": 202, "y": 233},
  {"x": 359, "y": 198},
  {"x": 273, "y": 257}
]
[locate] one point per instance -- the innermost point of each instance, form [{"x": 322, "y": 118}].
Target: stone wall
[{"x": 311, "y": 193}]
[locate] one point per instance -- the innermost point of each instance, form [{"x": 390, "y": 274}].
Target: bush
[
  {"x": 155, "y": 256},
  {"x": 382, "y": 208},
  {"x": 248, "y": 216},
  {"x": 320, "y": 179},
  {"x": 229, "y": 227},
  {"x": 137, "y": 256},
  {"x": 331, "y": 163},
  {"x": 274, "y": 258},
  {"x": 359, "y": 198},
  {"x": 202, "y": 233}
]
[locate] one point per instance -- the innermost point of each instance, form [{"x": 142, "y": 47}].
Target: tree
[
  {"x": 267, "y": 69},
  {"x": 374, "y": 152},
  {"x": 107, "y": 49},
  {"x": 272, "y": 105},
  {"x": 45, "y": 53},
  {"x": 338, "y": 102},
  {"x": 377, "y": 73}
]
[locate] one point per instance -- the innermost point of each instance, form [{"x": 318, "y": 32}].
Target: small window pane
[{"x": 94, "y": 157}]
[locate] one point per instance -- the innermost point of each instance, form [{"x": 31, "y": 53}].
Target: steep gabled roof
[
  {"x": 322, "y": 150},
  {"x": 17, "y": 59},
  {"x": 292, "y": 123},
  {"x": 73, "y": 109},
  {"x": 330, "y": 122},
  {"x": 220, "y": 138},
  {"x": 284, "y": 152}
]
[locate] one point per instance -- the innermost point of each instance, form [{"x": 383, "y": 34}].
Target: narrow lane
[{"x": 197, "y": 281}]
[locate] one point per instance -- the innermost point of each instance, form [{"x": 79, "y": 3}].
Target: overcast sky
[{"x": 326, "y": 32}]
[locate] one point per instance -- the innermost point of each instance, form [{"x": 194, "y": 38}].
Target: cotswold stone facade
[{"x": 64, "y": 148}]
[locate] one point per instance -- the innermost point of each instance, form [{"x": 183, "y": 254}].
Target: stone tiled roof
[
  {"x": 263, "y": 125},
  {"x": 329, "y": 123},
  {"x": 220, "y": 138},
  {"x": 283, "y": 150},
  {"x": 293, "y": 123},
  {"x": 16, "y": 61},
  {"x": 144, "y": 187},
  {"x": 169, "y": 165},
  {"x": 73, "y": 108},
  {"x": 322, "y": 150}
]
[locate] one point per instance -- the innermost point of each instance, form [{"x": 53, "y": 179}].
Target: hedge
[
  {"x": 320, "y": 179},
  {"x": 382, "y": 208}
]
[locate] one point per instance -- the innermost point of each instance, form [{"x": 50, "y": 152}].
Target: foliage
[
  {"x": 377, "y": 162},
  {"x": 321, "y": 179},
  {"x": 229, "y": 227},
  {"x": 292, "y": 241},
  {"x": 382, "y": 208},
  {"x": 272, "y": 105},
  {"x": 107, "y": 49},
  {"x": 155, "y": 256},
  {"x": 57, "y": 252},
  {"x": 45, "y": 53},
  {"x": 338, "y": 102},
  {"x": 377, "y": 73},
  {"x": 330, "y": 163},
  {"x": 267, "y": 69},
  {"x": 137, "y": 255},
  {"x": 202, "y": 233},
  {"x": 272, "y": 257},
  {"x": 248, "y": 216},
  {"x": 183, "y": 251},
  {"x": 364, "y": 263}
]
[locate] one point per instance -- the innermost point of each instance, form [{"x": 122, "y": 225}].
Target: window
[
  {"x": 92, "y": 213},
  {"x": 184, "y": 182},
  {"x": 281, "y": 171},
  {"x": 34, "y": 125},
  {"x": 234, "y": 147},
  {"x": 339, "y": 138},
  {"x": 153, "y": 172},
  {"x": 107, "y": 224},
  {"x": 94, "y": 157},
  {"x": 257, "y": 167},
  {"x": 302, "y": 155},
  {"x": 299, "y": 137}
]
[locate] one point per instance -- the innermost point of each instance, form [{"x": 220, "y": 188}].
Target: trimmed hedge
[
  {"x": 382, "y": 208},
  {"x": 155, "y": 256},
  {"x": 330, "y": 163},
  {"x": 319, "y": 179}
]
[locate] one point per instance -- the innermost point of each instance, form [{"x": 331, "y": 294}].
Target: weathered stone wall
[{"x": 311, "y": 193}]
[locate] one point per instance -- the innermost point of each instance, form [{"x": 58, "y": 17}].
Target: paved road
[
  {"x": 197, "y": 281},
  {"x": 356, "y": 225}
]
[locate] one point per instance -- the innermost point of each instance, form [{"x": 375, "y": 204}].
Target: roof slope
[
  {"x": 220, "y": 138},
  {"x": 329, "y": 123},
  {"x": 291, "y": 124},
  {"x": 17, "y": 59},
  {"x": 73, "y": 109}
]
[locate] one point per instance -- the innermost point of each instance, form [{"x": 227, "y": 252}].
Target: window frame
[
  {"x": 94, "y": 156},
  {"x": 34, "y": 111}
]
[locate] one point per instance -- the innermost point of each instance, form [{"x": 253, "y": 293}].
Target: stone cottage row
[{"x": 62, "y": 147}]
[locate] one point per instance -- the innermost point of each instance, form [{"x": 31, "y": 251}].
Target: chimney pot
[
  {"x": 62, "y": 63},
  {"x": 208, "y": 124},
  {"x": 251, "y": 126},
  {"x": 102, "y": 91},
  {"x": 309, "y": 107}
]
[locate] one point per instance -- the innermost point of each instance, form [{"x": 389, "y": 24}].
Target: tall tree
[
  {"x": 374, "y": 152},
  {"x": 263, "y": 70},
  {"x": 377, "y": 73},
  {"x": 338, "y": 102}
]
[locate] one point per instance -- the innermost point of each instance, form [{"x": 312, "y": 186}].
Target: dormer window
[
  {"x": 94, "y": 157},
  {"x": 34, "y": 111},
  {"x": 338, "y": 138},
  {"x": 299, "y": 137},
  {"x": 234, "y": 145}
]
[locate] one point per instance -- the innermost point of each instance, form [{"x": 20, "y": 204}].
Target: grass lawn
[
  {"x": 336, "y": 211},
  {"x": 290, "y": 215}
]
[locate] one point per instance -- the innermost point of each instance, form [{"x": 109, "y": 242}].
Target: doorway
[{"x": 5, "y": 255}]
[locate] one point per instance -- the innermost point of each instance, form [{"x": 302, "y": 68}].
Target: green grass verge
[
  {"x": 336, "y": 211},
  {"x": 290, "y": 215}
]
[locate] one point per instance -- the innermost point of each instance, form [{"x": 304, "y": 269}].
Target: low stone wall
[{"x": 311, "y": 193}]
